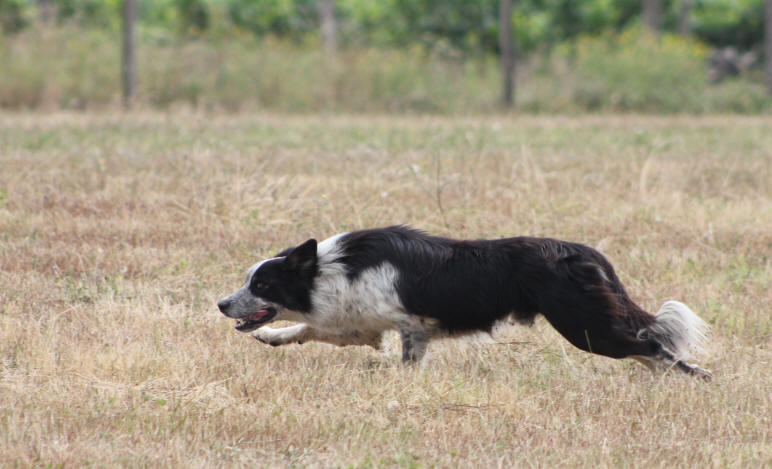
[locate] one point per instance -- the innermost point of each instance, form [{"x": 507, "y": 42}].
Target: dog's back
[{"x": 469, "y": 285}]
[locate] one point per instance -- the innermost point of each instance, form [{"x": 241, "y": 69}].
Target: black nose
[{"x": 224, "y": 305}]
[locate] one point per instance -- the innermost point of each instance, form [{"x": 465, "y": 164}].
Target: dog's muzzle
[{"x": 248, "y": 322}]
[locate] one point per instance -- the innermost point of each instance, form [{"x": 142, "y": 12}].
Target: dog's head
[{"x": 273, "y": 287}]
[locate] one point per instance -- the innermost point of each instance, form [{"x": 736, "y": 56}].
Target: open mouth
[{"x": 254, "y": 320}]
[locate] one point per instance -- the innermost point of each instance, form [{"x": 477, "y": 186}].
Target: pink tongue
[{"x": 258, "y": 315}]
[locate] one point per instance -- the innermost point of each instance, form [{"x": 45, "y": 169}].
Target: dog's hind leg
[
  {"x": 665, "y": 359},
  {"x": 414, "y": 341}
]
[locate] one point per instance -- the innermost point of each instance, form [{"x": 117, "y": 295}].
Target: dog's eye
[{"x": 259, "y": 285}]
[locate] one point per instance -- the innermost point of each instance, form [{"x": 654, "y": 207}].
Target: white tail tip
[{"x": 685, "y": 334}]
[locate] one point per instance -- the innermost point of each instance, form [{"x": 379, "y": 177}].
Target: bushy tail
[{"x": 678, "y": 329}]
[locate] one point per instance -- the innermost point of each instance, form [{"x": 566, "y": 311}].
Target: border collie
[{"x": 349, "y": 289}]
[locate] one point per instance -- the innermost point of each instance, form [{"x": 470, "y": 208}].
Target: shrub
[
  {"x": 635, "y": 72},
  {"x": 67, "y": 67}
]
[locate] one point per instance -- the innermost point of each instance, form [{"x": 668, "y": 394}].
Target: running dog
[{"x": 351, "y": 288}]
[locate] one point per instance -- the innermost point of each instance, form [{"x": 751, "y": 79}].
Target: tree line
[
  {"x": 460, "y": 27},
  {"x": 462, "y": 24}
]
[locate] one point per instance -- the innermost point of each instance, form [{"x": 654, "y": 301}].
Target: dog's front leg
[
  {"x": 283, "y": 335},
  {"x": 305, "y": 333},
  {"x": 414, "y": 341}
]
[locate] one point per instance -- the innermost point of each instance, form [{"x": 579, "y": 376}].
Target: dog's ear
[
  {"x": 303, "y": 257},
  {"x": 284, "y": 253}
]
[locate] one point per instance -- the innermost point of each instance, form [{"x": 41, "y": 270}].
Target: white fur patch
[
  {"x": 368, "y": 303},
  {"x": 329, "y": 249},
  {"x": 685, "y": 330},
  {"x": 281, "y": 335},
  {"x": 603, "y": 275}
]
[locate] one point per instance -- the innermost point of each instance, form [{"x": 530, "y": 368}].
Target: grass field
[{"x": 118, "y": 233}]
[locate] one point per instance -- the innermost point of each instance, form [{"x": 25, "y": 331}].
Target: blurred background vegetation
[{"x": 388, "y": 55}]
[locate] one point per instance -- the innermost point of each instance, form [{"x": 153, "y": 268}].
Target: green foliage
[
  {"x": 420, "y": 55},
  {"x": 12, "y": 17},
  {"x": 194, "y": 15},
  {"x": 474, "y": 26},
  {"x": 461, "y": 23},
  {"x": 88, "y": 12},
  {"x": 279, "y": 17},
  {"x": 58, "y": 68},
  {"x": 730, "y": 22},
  {"x": 635, "y": 71},
  {"x": 78, "y": 68},
  {"x": 458, "y": 25}
]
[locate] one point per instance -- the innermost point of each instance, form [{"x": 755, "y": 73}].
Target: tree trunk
[
  {"x": 685, "y": 17},
  {"x": 128, "y": 64},
  {"x": 329, "y": 26},
  {"x": 46, "y": 11},
  {"x": 507, "y": 53},
  {"x": 768, "y": 43},
  {"x": 652, "y": 15}
]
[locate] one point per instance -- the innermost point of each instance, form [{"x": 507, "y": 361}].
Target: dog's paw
[{"x": 702, "y": 373}]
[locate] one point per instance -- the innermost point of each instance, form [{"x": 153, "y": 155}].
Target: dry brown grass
[{"x": 119, "y": 233}]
